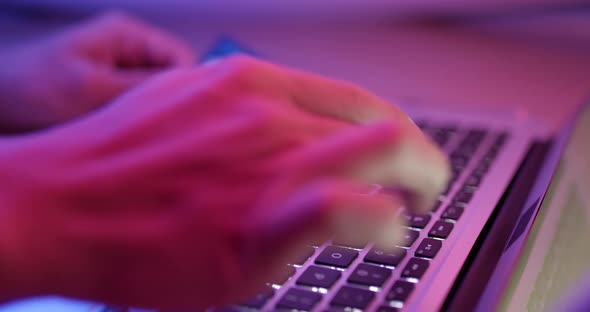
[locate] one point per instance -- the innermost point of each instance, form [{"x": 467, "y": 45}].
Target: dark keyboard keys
[
  {"x": 305, "y": 254},
  {"x": 475, "y": 136},
  {"x": 428, "y": 248},
  {"x": 410, "y": 237},
  {"x": 369, "y": 275},
  {"x": 353, "y": 297},
  {"x": 400, "y": 291},
  {"x": 316, "y": 276},
  {"x": 415, "y": 268},
  {"x": 417, "y": 220},
  {"x": 481, "y": 169},
  {"x": 299, "y": 299},
  {"x": 442, "y": 135},
  {"x": 497, "y": 145},
  {"x": 458, "y": 160},
  {"x": 260, "y": 300},
  {"x": 337, "y": 256},
  {"x": 387, "y": 309},
  {"x": 455, "y": 173},
  {"x": 438, "y": 203},
  {"x": 472, "y": 182},
  {"x": 351, "y": 242},
  {"x": 441, "y": 229},
  {"x": 463, "y": 197},
  {"x": 452, "y": 212},
  {"x": 391, "y": 257}
]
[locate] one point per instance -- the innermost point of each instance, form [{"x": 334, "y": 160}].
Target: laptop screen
[{"x": 556, "y": 256}]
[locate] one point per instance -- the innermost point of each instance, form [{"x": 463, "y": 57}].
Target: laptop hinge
[{"x": 491, "y": 242}]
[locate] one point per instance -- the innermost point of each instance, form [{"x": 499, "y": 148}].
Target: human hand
[
  {"x": 195, "y": 188},
  {"x": 47, "y": 82}
]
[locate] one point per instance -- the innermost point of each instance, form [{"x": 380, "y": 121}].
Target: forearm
[{"x": 15, "y": 274}]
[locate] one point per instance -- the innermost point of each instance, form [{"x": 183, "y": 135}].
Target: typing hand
[
  {"x": 47, "y": 82},
  {"x": 196, "y": 188}
]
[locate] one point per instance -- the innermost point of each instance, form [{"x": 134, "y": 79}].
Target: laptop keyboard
[{"x": 351, "y": 276}]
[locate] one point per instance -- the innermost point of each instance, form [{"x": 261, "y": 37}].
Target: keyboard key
[
  {"x": 459, "y": 160},
  {"x": 487, "y": 159},
  {"x": 465, "y": 150},
  {"x": 500, "y": 139},
  {"x": 415, "y": 268},
  {"x": 353, "y": 297},
  {"x": 475, "y": 135},
  {"x": 441, "y": 138},
  {"x": 472, "y": 182},
  {"x": 284, "y": 275},
  {"x": 387, "y": 309},
  {"x": 457, "y": 168},
  {"x": 417, "y": 220},
  {"x": 337, "y": 256},
  {"x": 351, "y": 242},
  {"x": 410, "y": 237},
  {"x": 481, "y": 169},
  {"x": 260, "y": 300},
  {"x": 305, "y": 254},
  {"x": 445, "y": 192},
  {"x": 463, "y": 197},
  {"x": 400, "y": 291},
  {"x": 452, "y": 212},
  {"x": 428, "y": 248},
  {"x": 299, "y": 299},
  {"x": 455, "y": 173},
  {"x": 370, "y": 275},
  {"x": 441, "y": 229},
  {"x": 438, "y": 202},
  {"x": 391, "y": 257},
  {"x": 316, "y": 276}
]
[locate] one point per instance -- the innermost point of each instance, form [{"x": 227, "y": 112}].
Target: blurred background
[{"x": 530, "y": 57}]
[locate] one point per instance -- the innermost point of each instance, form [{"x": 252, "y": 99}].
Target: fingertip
[{"x": 391, "y": 233}]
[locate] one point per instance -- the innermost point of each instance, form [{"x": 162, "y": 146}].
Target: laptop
[{"x": 510, "y": 233}]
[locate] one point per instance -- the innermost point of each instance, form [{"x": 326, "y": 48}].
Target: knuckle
[
  {"x": 354, "y": 93},
  {"x": 241, "y": 63},
  {"x": 240, "y": 72}
]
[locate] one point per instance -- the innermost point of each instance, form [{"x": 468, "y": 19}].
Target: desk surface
[
  {"x": 413, "y": 64},
  {"x": 425, "y": 65}
]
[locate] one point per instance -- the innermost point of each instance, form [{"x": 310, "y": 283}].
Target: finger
[
  {"x": 316, "y": 94},
  {"x": 108, "y": 84},
  {"x": 133, "y": 43},
  {"x": 417, "y": 169},
  {"x": 425, "y": 168},
  {"x": 379, "y": 153},
  {"x": 315, "y": 213},
  {"x": 165, "y": 49}
]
